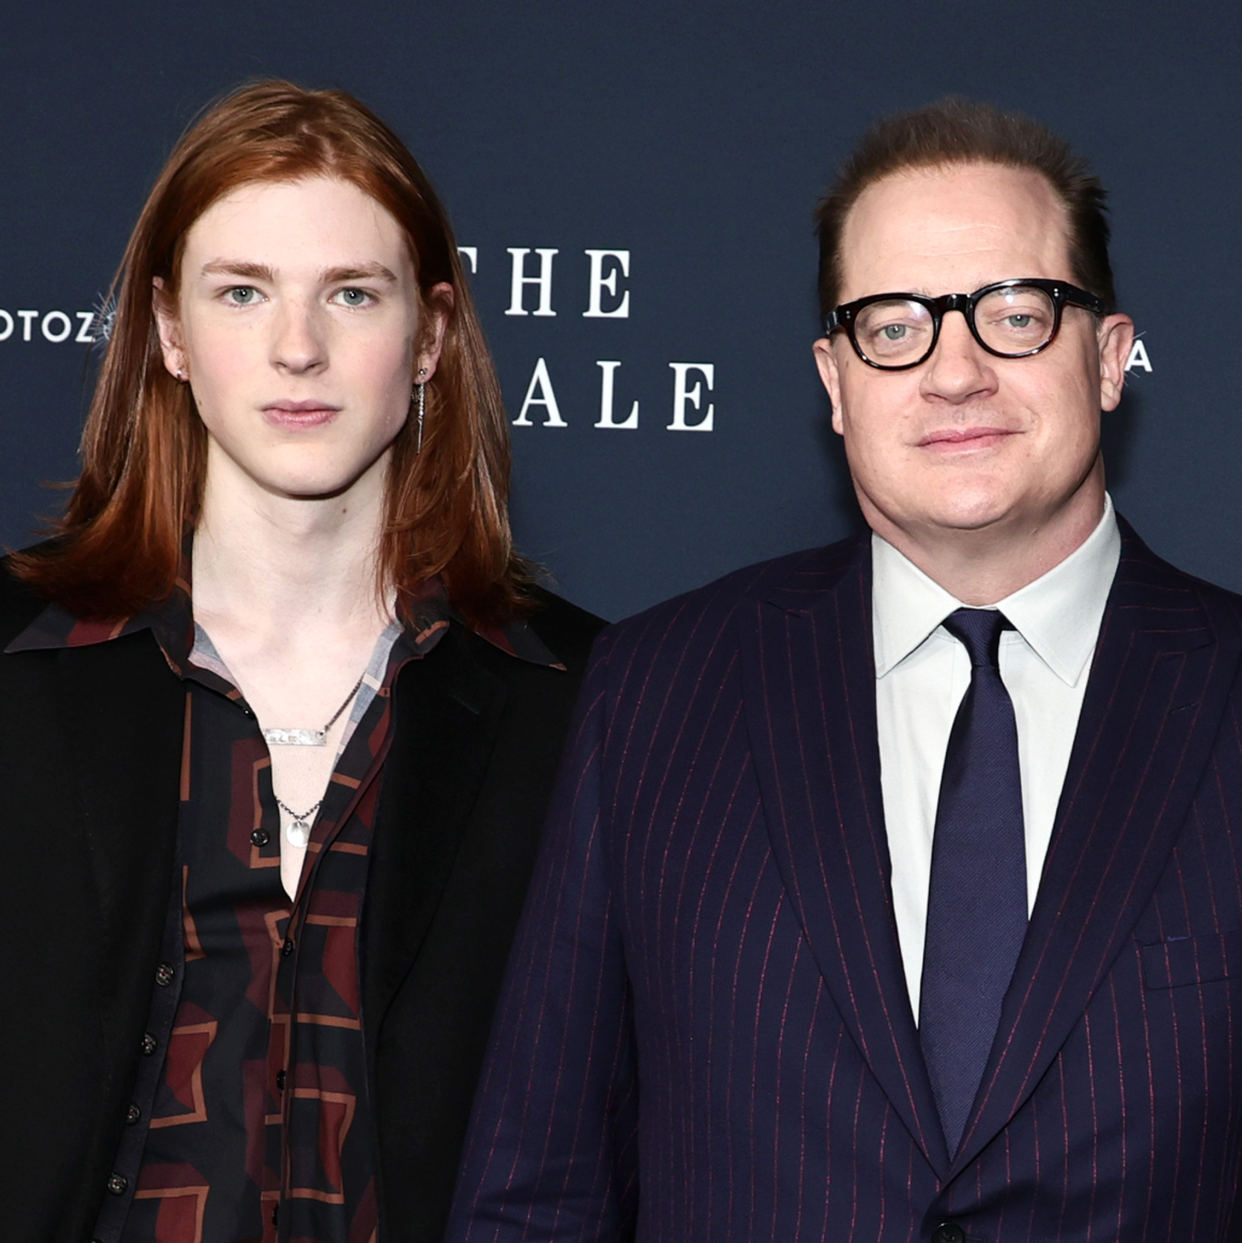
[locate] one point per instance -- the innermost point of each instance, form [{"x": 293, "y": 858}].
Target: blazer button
[
  {"x": 164, "y": 974},
  {"x": 149, "y": 1045},
  {"x": 288, "y": 947},
  {"x": 132, "y": 1114},
  {"x": 118, "y": 1185},
  {"x": 948, "y": 1232},
  {"x": 260, "y": 837}
]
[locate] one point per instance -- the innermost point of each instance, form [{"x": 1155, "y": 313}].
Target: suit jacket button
[
  {"x": 948, "y": 1232},
  {"x": 118, "y": 1185},
  {"x": 132, "y": 1114},
  {"x": 260, "y": 837},
  {"x": 164, "y": 974},
  {"x": 149, "y": 1045}
]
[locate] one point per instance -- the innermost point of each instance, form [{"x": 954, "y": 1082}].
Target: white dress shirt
[{"x": 922, "y": 674}]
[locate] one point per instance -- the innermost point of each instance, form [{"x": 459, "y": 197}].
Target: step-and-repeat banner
[{"x": 632, "y": 186}]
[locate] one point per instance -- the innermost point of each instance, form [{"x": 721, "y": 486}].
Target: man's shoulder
[
  {"x": 1144, "y": 573},
  {"x": 796, "y": 582}
]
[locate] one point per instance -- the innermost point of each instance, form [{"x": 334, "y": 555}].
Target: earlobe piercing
[{"x": 421, "y": 398}]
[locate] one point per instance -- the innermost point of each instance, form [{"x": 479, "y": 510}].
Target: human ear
[
  {"x": 830, "y": 375},
  {"x": 438, "y": 301},
  {"x": 168, "y": 324},
  {"x": 1115, "y": 336}
]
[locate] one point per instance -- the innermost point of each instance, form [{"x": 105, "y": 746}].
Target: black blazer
[{"x": 90, "y": 756}]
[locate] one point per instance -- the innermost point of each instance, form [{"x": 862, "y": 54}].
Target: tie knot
[{"x": 979, "y": 631}]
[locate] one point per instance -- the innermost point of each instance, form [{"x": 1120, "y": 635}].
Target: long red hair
[{"x": 143, "y": 448}]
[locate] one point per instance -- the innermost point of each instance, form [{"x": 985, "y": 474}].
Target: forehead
[
  {"x": 951, "y": 230},
  {"x": 312, "y": 220}
]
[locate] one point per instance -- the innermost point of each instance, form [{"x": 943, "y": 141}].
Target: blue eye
[
  {"x": 242, "y": 295},
  {"x": 353, "y": 297}
]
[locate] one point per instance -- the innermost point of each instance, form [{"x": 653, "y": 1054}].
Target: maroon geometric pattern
[{"x": 255, "y": 1125}]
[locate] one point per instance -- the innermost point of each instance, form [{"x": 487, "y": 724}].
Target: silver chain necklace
[
  {"x": 309, "y": 737},
  {"x": 297, "y": 833}
]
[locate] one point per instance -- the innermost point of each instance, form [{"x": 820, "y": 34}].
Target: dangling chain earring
[{"x": 422, "y": 406}]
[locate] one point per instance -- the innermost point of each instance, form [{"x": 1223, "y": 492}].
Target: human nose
[
  {"x": 298, "y": 340},
  {"x": 959, "y": 367}
]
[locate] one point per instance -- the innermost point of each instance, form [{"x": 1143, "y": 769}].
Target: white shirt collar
[{"x": 1058, "y": 615}]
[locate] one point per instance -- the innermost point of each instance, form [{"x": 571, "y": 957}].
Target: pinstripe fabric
[{"x": 706, "y": 1033}]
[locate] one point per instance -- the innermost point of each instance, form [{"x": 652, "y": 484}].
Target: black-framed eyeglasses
[{"x": 1011, "y": 319}]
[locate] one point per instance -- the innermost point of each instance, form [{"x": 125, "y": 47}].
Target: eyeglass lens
[{"x": 1015, "y": 320}]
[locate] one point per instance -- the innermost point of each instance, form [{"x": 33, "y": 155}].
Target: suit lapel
[
  {"x": 1157, "y": 689},
  {"x": 810, "y": 706},
  {"x": 446, "y": 713}
]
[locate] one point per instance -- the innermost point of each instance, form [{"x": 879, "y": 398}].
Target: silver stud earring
[{"x": 180, "y": 375}]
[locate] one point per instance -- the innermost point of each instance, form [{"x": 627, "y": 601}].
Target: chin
[
  {"x": 969, "y": 513},
  {"x": 314, "y": 488}
]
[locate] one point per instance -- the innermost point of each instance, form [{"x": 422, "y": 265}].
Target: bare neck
[
  {"x": 276, "y": 573},
  {"x": 983, "y": 565}
]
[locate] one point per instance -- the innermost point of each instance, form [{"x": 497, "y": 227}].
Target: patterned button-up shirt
[{"x": 250, "y": 1117}]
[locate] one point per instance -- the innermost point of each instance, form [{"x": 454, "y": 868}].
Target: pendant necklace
[
  {"x": 309, "y": 737},
  {"x": 297, "y": 833}
]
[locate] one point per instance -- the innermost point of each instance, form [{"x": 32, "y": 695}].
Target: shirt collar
[
  {"x": 172, "y": 621},
  {"x": 1058, "y": 615}
]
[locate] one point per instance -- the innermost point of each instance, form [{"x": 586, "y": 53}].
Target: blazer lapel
[
  {"x": 1158, "y": 687},
  {"x": 446, "y": 714},
  {"x": 810, "y": 705}
]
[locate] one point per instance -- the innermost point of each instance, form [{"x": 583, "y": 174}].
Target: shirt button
[
  {"x": 132, "y": 1114},
  {"x": 280, "y": 1080},
  {"x": 164, "y": 974},
  {"x": 118, "y": 1185},
  {"x": 149, "y": 1045},
  {"x": 287, "y": 948},
  {"x": 260, "y": 837},
  {"x": 948, "y": 1232}
]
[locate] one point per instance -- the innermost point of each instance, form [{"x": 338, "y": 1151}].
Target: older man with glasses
[{"x": 895, "y": 890}]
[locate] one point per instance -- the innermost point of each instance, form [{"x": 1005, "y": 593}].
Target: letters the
[
  {"x": 608, "y": 369},
  {"x": 547, "y": 399},
  {"x": 521, "y": 280},
  {"x": 600, "y": 282},
  {"x": 683, "y": 396}
]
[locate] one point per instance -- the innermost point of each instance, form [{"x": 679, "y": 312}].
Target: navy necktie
[{"x": 976, "y": 908}]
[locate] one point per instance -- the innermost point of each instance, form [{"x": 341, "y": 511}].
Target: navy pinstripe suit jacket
[{"x": 706, "y": 1033}]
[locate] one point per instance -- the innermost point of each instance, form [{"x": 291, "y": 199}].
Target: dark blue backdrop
[{"x": 696, "y": 137}]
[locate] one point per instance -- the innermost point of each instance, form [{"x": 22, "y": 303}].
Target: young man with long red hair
[{"x": 282, "y": 709}]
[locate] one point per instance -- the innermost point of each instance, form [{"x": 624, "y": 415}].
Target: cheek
[
  {"x": 388, "y": 365},
  {"x": 218, "y": 361}
]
